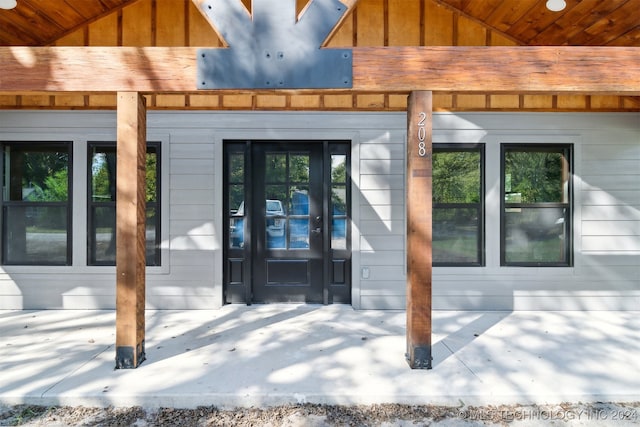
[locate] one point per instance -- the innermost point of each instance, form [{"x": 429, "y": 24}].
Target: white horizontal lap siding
[
  {"x": 381, "y": 184},
  {"x": 608, "y": 263},
  {"x": 193, "y": 241},
  {"x": 607, "y": 209},
  {"x": 606, "y": 213}
]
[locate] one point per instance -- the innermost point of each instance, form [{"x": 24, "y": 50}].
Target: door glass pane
[
  {"x": 299, "y": 200},
  {"x": 299, "y": 234},
  {"x": 275, "y": 218},
  {"x": 339, "y": 199},
  {"x": 236, "y": 168},
  {"x": 535, "y": 235},
  {"x": 339, "y": 217},
  {"x": 236, "y": 216},
  {"x": 339, "y": 168},
  {"x": 275, "y": 167},
  {"x": 339, "y": 233},
  {"x": 235, "y": 200},
  {"x": 299, "y": 217},
  {"x": 338, "y": 208},
  {"x": 299, "y": 168}
]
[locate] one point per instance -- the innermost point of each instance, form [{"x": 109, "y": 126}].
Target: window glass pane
[
  {"x": 535, "y": 235},
  {"x": 456, "y": 176},
  {"x": 457, "y": 223},
  {"x": 151, "y": 174},
  {"x": 35, "y": 235},
  {"x": 275, "y": 168},
  {"x": 35, "y": 174},
  {"x": 103, "y": 174},
  {"x": 339, "y": 168},
  {"x": 535, "y": 176},
  {"x": 102, "y": 211},
  {"x": 152, "y": 249},
  {"x": 104, "y": 232},
  {"x": 456, "y": 235}
]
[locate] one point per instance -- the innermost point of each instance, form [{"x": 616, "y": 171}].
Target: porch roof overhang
[{"x": 470, "y": 69}]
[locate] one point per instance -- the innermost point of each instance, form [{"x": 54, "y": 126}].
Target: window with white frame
[{"x": 536, "y": 206}]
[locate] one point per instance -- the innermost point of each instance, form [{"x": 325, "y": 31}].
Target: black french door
[{"x": 288, "y": 216}]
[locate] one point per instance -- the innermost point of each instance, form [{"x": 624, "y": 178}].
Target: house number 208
[{"x": 422, "y": 134}]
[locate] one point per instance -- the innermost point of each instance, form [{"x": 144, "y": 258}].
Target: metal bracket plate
[
  {"x": 322, "y": 69},
  {"x": 273, "y": 50},
  {"x": 419, "y": 357}
]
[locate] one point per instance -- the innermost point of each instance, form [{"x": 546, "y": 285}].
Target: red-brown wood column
[
  {"x": 130, "y": 229},
  {"x": 419, "y": 207}
]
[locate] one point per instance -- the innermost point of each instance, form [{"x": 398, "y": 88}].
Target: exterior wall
[{"x": 606, "y": 271}]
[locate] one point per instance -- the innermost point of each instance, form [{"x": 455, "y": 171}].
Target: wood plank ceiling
[
  {"x": 527, "y": 22},
  {"x": 40, "y": 23},
  {"x": 580, "y": 23}
]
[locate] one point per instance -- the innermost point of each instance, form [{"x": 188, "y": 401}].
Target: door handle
[{"x": 317, "y": 230}]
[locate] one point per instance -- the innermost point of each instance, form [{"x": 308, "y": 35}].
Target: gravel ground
[{"x": 309, "y": 415}]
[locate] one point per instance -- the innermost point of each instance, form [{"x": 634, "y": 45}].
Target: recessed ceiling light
[
  {"x": 8, "y": 4},
  {"x": 556, "y": 5}
]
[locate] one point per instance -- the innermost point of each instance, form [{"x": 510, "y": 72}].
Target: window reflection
[
  {"x": 36, "y": 205},
  {"x": 536, "y": 217},
  {"x": 102, "y": 204},
  {"x": 457, "y": 204},
  {"x": 235, "y": 191},
  {"x": 338, "y": 201}
]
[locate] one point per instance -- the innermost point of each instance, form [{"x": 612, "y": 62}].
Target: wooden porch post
[
  {"x": 130, "y": 229},
  {"x": 419, "y": 215}
]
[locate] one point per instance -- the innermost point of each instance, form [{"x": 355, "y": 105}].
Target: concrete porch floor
[{"x": 265, "y": 355}]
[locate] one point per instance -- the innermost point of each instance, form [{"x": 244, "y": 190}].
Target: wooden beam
[
  {"x": 419, "y": 216},
  {"x": 131, "y": 152},
  {"x": 469, "y": 69}
]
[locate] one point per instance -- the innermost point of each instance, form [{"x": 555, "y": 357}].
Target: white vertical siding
[{"x": 606, "y": 274}]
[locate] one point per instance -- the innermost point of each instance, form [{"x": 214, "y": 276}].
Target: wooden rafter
[{"x": 530, "y": 70}]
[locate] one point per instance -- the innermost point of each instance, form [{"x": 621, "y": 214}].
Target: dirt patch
[{"x": 310, "y": 415}]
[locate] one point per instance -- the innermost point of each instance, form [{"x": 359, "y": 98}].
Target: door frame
[{"x": 333, "y": 292}]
